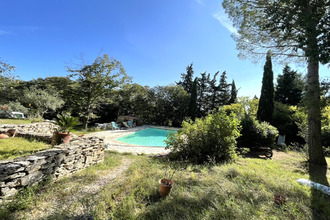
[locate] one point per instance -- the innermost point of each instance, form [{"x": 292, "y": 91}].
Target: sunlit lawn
[
  {"x": 242, "y": 190},
  {"x": 15, "y": 121},
  {"x": 17, "y": 147},
  {"x": 79, "y": 130}
]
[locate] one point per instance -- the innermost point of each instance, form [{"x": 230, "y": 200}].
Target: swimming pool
[{"x": 152, "y": 137}]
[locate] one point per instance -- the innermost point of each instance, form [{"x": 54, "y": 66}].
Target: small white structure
[
  {"x": 280, "y": 140},
  {"x": 17, "y": 115}
]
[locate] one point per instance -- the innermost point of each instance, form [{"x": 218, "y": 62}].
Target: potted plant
[
  {"x": 166, "y": 184},
  {"x": 65, "y": 122}
]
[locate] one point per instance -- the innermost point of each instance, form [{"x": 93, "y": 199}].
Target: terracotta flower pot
[
  {"x": 59, "y": 138},
  {"x": 165, "y": 186},
  {"x": 3, "y": 136}
]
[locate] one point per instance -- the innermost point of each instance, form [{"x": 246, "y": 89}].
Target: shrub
[
  {"x": 283, "y": 120},
  {"x": 326, "y": 139},
  {"x": 256, "y": 134},
  {"x": 212, "y": 138}
]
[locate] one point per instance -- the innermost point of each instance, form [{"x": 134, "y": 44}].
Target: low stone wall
[
  {"x": 39, "y": 127},
  {"x": 59, "y": 161}
]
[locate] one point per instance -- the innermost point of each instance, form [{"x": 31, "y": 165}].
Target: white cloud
[
  {"x": 224, "y": 21},
  {"x": 200, "y": 2},
  {"x": 2, "y": 32}
]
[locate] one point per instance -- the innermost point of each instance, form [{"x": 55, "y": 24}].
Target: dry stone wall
[
  {"x": 61, "y": 160},
  {"x": 39, "y": 128}
]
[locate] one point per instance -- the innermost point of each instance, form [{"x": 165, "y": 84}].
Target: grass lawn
[
  {"x": 17, "y": 147},
  {"x": 242, "y": 190},
  {"x": 15, "y": 121},
  {"x": 78, "y": 130}
]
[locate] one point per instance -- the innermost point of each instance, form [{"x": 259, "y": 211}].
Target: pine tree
[
  {"x": 192, "y": 111},
  {"x": 234, "y": 91},
  {"x": 224, "y": 92},
  {"x": 202, "y": 95},
  {"x": 289, "y": 87},
  {"x": 186, "y": 78},
  {"x": 213, "y": 90},
  {"x": 266, "y": 103}
]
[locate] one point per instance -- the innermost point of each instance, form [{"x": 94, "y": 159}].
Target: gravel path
[{"x": 109, "y": 137}]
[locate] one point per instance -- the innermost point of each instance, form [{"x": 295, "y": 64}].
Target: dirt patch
[{"x": 279, "y": 155}]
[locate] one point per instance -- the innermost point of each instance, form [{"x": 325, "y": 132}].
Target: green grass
[
  {"x": 78, "y": 130},
  {"x": 242, "y": 190},
  {"x": 15, "y": 121},
  {"x": 17, "y": 147}
]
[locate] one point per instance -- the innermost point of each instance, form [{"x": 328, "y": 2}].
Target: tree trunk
[
  {"x": 315, "y": 151},
  {"x": 85, "y": 123}
]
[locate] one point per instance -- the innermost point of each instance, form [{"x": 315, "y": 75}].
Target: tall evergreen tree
[
  {"x": 213, "y": 92},
  {"x": 192, "y": 111},
  {"x": 187, "y": 78},
  {"x": 202, "y": 95},
  {"x": 266, "y": 103},
  {"x": 224, "y": 90},
  {"x": 289, "y": 88},
  {"x": 233, "y": 93}
]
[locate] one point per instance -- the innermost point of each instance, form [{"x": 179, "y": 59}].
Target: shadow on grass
[
  {"x": 255, "y": 155},
  {"x": 318, "y": 174}
]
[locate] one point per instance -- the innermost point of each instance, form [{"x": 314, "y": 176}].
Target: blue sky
[{"x": 154, "y": 40}]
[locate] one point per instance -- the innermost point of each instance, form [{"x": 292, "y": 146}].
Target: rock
[
  {"x": 7, "y": 192},
  {"x": 31, "y": 178}
]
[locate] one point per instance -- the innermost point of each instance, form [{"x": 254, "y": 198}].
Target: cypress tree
[
  {"x": 234, "y": 91},
  {"x": 186, "y": 78},
  {"x": 266, "y": 102},
  {"x": 224, "y": 92},
  {"x": 193, "y": 100}
]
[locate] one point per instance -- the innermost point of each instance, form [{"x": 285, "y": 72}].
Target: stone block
[
  {"x": 31, "y": 178},
  {"x": 14, "y": 176},
  {"x": 12, "y": 183},
  {"x": 7, "y": 192},
  {"x": 10, "y": 168}
]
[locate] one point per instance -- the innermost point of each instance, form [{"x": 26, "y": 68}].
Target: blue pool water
[{"x": 152, "y": 137}]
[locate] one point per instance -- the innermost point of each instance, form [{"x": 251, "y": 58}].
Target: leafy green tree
[
  {"x": 266, "y": 103},
  {"x": 289, "y": 88},
  {"x": 6, "y": 80},
  {"x": 93, "y": 83},
  {"x": 59, "y": 86},
  {"x": 284, "y": 122},
  {"x": 250, "y": 105},
  {"x": 134, "y": 100},
  {"x": 193, "y": 101},
  {"x": 170, "y": 104},
  {"x": 17, "y": 107},
  {"x": 40, "y": 101},
  {"x": 5, "y": 69},
  {"x": 291, "y": 28},
  {"x": 233, "y": 93},
  {"x": 187, "y": 79}
]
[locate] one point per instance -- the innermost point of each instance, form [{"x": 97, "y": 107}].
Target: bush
[
  {"x": 207, "y": 139},
  {"x": 256, "y": 134},
  {"x": 326, "y": 139}
]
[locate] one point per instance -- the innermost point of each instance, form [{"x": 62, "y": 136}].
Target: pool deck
[{"x": 111, "y": 144}]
